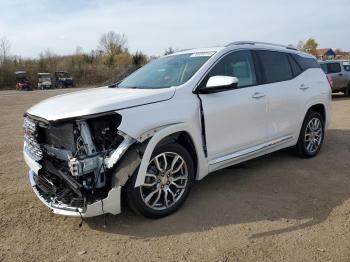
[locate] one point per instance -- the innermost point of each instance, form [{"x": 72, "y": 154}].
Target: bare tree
[
  {"x": 5, "y": 47},
  {"x": 300, "y": 45},
  {"x": 169, "y": 51},
  {"x": 113, "y": 43},
  {"x": 79, "y": 50}
]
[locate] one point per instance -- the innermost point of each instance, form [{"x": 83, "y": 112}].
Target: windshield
[{"x": 166, "y": 71}]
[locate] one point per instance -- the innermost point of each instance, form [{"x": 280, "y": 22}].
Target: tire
[
  {"x": 347, "y": 91},
  {"x": 154, "y": 199},
  {"x": 311, "y": 135}
]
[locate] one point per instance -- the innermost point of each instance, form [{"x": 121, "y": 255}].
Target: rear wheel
[
  {"x": 347, "y": 91},
  {"x": 311, "y": 135},
  {"x": 168, "y": 181}
]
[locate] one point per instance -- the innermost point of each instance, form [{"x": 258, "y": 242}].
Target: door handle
[
  {"x": 303, "y": 87},
  {"x": 258, "y": 95},
  {"x": 340, "y": 74}
]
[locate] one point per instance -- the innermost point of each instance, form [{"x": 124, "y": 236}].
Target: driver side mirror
[{"x": 219, "y": 83}]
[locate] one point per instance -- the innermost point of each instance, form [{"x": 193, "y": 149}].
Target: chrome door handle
[
  {"x": 303, "y": 87},
  {"x": 258, "y": 95}
]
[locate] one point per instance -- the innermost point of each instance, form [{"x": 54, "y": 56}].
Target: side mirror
[{"x": 219, "y": 83}]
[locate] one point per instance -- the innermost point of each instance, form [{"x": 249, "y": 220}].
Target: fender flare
[{"x": 153, "y": 142}]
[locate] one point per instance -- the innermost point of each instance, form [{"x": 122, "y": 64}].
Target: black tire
[
  {"x": 347, "y": 91},
  {"x": 135, "y": 195},
  {"x": 301, "y": 147}
]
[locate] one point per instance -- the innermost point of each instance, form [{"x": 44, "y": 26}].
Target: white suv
[{"x": 146, "y": 139}]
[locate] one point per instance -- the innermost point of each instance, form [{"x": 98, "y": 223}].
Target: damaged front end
[{"x": 73, "y": 163}]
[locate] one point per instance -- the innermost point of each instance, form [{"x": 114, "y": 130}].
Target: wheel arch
[
  {"x": 182, "y": 134},
  {"x": 318, "y": 108},
  {"x": 183, "y": 138}
]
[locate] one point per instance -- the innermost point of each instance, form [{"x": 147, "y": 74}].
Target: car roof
[
  {"x": 20, "y": 72},
  {"x": 198, "y": 50},
  {"x": 247, "y": 45}
]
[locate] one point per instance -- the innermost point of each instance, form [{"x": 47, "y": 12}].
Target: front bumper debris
[{"x": 110, "y": 204}]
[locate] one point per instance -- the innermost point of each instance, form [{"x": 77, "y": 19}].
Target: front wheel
[
  {"x": 311, "y": 135},
  {"x": 169, "y": 177}
]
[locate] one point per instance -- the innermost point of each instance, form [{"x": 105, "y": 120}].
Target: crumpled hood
[{"x": 97, "y": 100}]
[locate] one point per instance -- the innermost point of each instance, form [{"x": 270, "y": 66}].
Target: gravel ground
[{"x": 274, "y": 208}]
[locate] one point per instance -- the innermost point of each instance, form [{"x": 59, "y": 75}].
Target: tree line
[{"x": 109, "y": 62}]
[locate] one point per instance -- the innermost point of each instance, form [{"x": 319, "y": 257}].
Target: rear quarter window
[
  {"x": 295, "y": 66},
  {"x": 324, "y": 67},
  {"x": 306, "y": 62}
]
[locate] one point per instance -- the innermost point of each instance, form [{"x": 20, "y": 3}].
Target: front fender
[{"x": 163, "y": 133}]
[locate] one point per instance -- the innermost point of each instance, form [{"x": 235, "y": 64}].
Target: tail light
[{"x": 330, "y": 81}]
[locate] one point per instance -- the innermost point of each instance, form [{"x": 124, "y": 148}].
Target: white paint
[{"x": 242, "y": 123}]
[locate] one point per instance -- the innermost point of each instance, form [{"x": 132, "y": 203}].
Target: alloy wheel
[
  {"x": 165, "y": 182},
  {"x": 313, "y": 135}
]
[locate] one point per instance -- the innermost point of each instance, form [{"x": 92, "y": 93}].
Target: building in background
[
  {"x": 325, "y": 54},
  {"x": 341, "y": 55}
]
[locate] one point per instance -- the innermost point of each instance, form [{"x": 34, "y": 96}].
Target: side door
[
  {"x": 335, "y": 71},
  {"x": 286, "y": 93},
  {"x": 234, "y": 119}
]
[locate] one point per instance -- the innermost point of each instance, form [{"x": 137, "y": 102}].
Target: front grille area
[
  {"x": 56, "y": 190},
  {"x": 30, "y": 138}
]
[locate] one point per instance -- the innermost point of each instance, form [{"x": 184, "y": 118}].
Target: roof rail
[{"x": 261, "y": 43}]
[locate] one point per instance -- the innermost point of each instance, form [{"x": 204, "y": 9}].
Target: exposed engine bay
[{"x": 76, "y": 157}]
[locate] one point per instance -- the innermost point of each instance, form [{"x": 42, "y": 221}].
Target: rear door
[{"x": 284, "y": 92}]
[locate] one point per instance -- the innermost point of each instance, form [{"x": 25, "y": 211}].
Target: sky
[{"x": 151, "y": 26}]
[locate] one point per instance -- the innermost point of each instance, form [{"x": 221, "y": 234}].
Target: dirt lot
[{"x": 275, "y": 208}]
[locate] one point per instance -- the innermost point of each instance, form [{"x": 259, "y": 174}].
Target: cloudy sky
[{"x": 153, "y": 25}]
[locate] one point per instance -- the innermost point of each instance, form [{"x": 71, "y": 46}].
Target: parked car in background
[
  {"x": 44, "y": 81},
  {"x": 173, "y": 121},
  {"x": 22, "y": 81},
  {"x": 339, "y": 72},
  {"x": 346, "y": 66},
  {"x": 63, "y": 79}
]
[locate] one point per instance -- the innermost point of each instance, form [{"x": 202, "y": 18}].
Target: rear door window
[
  {"x": 333, "y": 68},
  {"x": 275, "y": 65}
]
